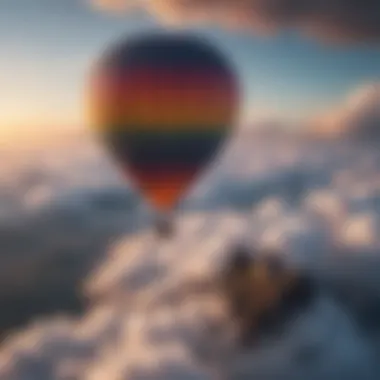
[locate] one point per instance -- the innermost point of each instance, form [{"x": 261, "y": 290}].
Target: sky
[{"x": 49, "y": 45}]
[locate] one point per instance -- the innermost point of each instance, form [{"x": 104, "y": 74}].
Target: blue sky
[{"x": 48, "y": 46}]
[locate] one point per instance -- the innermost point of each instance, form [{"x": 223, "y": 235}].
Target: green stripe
[{"x": 180, "y": 134}]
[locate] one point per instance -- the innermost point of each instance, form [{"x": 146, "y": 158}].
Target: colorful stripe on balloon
[{"x": 159, "y": 101}]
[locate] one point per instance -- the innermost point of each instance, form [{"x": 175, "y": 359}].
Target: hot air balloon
[{"x": 163, "y": 104}]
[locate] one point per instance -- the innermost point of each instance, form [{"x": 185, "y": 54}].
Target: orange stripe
[
  {"x": 164, "y": 198},
  {"x": 162, "y": 188}
]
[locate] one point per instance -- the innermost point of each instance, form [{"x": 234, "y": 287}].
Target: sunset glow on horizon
[{"x": 50, "y": 46}]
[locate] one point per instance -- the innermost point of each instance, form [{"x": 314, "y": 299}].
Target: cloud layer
[
  {"x": 60, "y": 207},
  {"x": 331, "y": 20},
  {"x": 303, "y": 197},
  {"x": 149, "y": 320}
]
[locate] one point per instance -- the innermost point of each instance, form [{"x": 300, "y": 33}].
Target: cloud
[
  {"x": 358, "y": 117},
  {"x": 300, "y": 196},
  {"x": 118, "y": 337},
  {"x": 331, "y": 20},
  {"x": 61, "y": 206}
]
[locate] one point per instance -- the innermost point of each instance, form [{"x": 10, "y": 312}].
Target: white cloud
[{"x": 148, "y": 296}]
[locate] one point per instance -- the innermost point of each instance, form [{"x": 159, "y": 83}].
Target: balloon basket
[{"x": 164, "y": 226}]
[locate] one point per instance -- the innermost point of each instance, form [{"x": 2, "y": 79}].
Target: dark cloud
[
  {"x": 357, "y": 118},
  {"x": 46, "y": 255},
  {"x": 363, "y": 119},
  {"x": 331, "y": 20},
  {"x": 61, "y": 211}
]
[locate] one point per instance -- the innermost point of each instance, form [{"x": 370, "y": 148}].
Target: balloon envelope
[{"x": 164, "y": 104}]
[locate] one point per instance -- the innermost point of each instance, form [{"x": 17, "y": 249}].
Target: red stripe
[{"x": 196, "y": 80}]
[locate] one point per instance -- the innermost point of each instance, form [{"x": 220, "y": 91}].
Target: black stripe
[{"x": 165, "y": 149}]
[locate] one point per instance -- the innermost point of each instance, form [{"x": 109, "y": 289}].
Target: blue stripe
[{"x": 165, "y": 149}]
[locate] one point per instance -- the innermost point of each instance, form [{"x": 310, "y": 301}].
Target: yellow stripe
[{"x": 178, "y": 119}]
